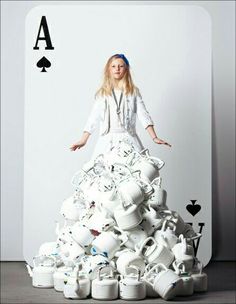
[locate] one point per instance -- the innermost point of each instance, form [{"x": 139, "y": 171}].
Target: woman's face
[{"x": 117, "y": 69}]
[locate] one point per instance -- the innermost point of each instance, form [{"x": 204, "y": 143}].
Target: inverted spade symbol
[
  {"x": 193, "y": 209},
  {"x": 43, "y": 63}
]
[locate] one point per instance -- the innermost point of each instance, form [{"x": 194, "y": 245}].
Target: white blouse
[{"x": 104, "y": 111}]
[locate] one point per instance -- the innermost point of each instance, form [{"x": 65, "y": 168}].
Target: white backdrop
[{"x": 169, "y": 49}]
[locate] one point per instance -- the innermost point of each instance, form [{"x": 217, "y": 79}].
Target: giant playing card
[{"x": 169, "y": 49}]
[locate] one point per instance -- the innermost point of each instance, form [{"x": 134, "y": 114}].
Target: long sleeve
[
  {"x": 93, "y": 118},
  {"x": 142, "y": 113}
]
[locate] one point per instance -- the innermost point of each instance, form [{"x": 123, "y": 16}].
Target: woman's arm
[
  {"x": 90, "y": 126},
  {"x": 154, "y": 137},
  {"x": 82, "y": 142},
  {"x": 147, "y": 121}
]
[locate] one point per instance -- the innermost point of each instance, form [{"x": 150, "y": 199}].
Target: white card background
[{"x": 169, "y": 49}]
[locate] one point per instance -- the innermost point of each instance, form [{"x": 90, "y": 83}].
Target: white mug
[
  {"x": 154, "y": 252},
  {"x": 91, "y": 264},
  {"x": 82, "y": 235},
  {"x": 149, "y": 166},
  {"x": 72, "y": 251},
  {"x": 132, "y": 287},
  {"x": 129, "y": 257},
  {"x": 166, "y": 233},
  {"x": 59, "y": 277},
  {"x": 71, "y": 284},
  {"x": 70, "y": 209},
  {"x": 106, "y": 243},
  {"x": 127, "y": 216},
  {"x": 187, "y": 287},
  {"x": 105, "y": 287},
  {"x": 175, "y": 221},
  {"x": 184, "y": 253},
  {"x": 164, "y": 281},
  {"x": 50, "y": 249},
  {"x": 151, "y": 219},
  {"x": 100, "y": 220},
  {"x": 131, "y": 191},
  {"x": 132, "y": 237},
  {"x": 109, "y": 197},
  {"x": 42, "y": 273},
  {"x": 200, "y": 280},
  {"x": 151, "y": 293},
  {"x": 157, "y": 199},
  {"x": 84, "y": 284}
]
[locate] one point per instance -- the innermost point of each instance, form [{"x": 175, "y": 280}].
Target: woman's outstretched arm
[
  {"x": 154, "y": 137},
  {"x": 90, "y": 126},
  {"x": 82, "y": 142}
]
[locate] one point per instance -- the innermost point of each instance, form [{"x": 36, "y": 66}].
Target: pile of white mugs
[{"x": 119, "y": 238}]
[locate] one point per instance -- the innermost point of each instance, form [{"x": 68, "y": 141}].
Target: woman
[{"x": 117, "y": 103}]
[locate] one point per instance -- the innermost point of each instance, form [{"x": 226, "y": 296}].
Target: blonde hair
[{"x": 106, "y": 88}]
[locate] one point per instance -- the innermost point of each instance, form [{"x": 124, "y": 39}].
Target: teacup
[
  {"x": 184, "y": 253},
  {"x": 82, "y": 235},
  {"x": 70, "y": 209},
  {"x": 200, "y": 279},
  {"x": 148, "y": 165},
  {"x": 164, "y": 281},
  {"x": 166, "y": 235},
  {"x": 106, "y": 243},
  {"x": 129, "y": 257},
  {"x": 187, "y": 287},
  {"x": 100, "y": 220},
  {"x": 132, "y": 237},
  {"x": 127, "y": 216},
  {"x": 91, "y": 264},
  {"x": 154, "y": 252},
  {"x": 151, "y": 219},
  {"x": 149, "y": 287},
  {"x": 175, "y": 221}
]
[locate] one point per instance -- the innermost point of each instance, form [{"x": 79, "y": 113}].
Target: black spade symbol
[
  {"x": 43, "y": 63},
  {"x": 193, "y": 209}
]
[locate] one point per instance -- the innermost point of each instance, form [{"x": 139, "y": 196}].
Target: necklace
[{"x": 117, "y": 105}]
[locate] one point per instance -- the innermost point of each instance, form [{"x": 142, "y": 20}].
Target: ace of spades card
[{"x": 169, "y": 49}]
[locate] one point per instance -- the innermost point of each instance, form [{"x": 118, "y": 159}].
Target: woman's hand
[
  {"x": 160, "y": 141},
  {"x": 78, "y": 145},
  {"x": 82, "y": 142}
]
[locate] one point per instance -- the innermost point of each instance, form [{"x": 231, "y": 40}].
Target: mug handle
[
  {"x": 160, "y": 163},
  {"x": 158, "y": 180},
  {"x": 126, "y": 238},
  {"x": 148, "y": 267},
  {"x": 156, "y": 267},
  {"x": 140, "y": 249},
  {"x": 163, "y": 228},
  {"x": 194, "y": 237},
  {"x": 44, "y": 256},
  {"x": 138, "y": 271},
  {"x": 177, "y": 267},
  {"x": 131, "y": 158},
  {"x": 103, "y": 267},
  {"x": 124, "y": 241},
  {"x": 147, "y": 188}
]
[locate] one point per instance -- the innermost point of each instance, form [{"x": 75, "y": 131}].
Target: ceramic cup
[
  {"x": 164, "y": 281},
  {"x": 105, "y": 286},
  {"x": 153, "y": 252},
  {"x": 106, "y": 243},
  {"x": 129, "y": 257}
]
